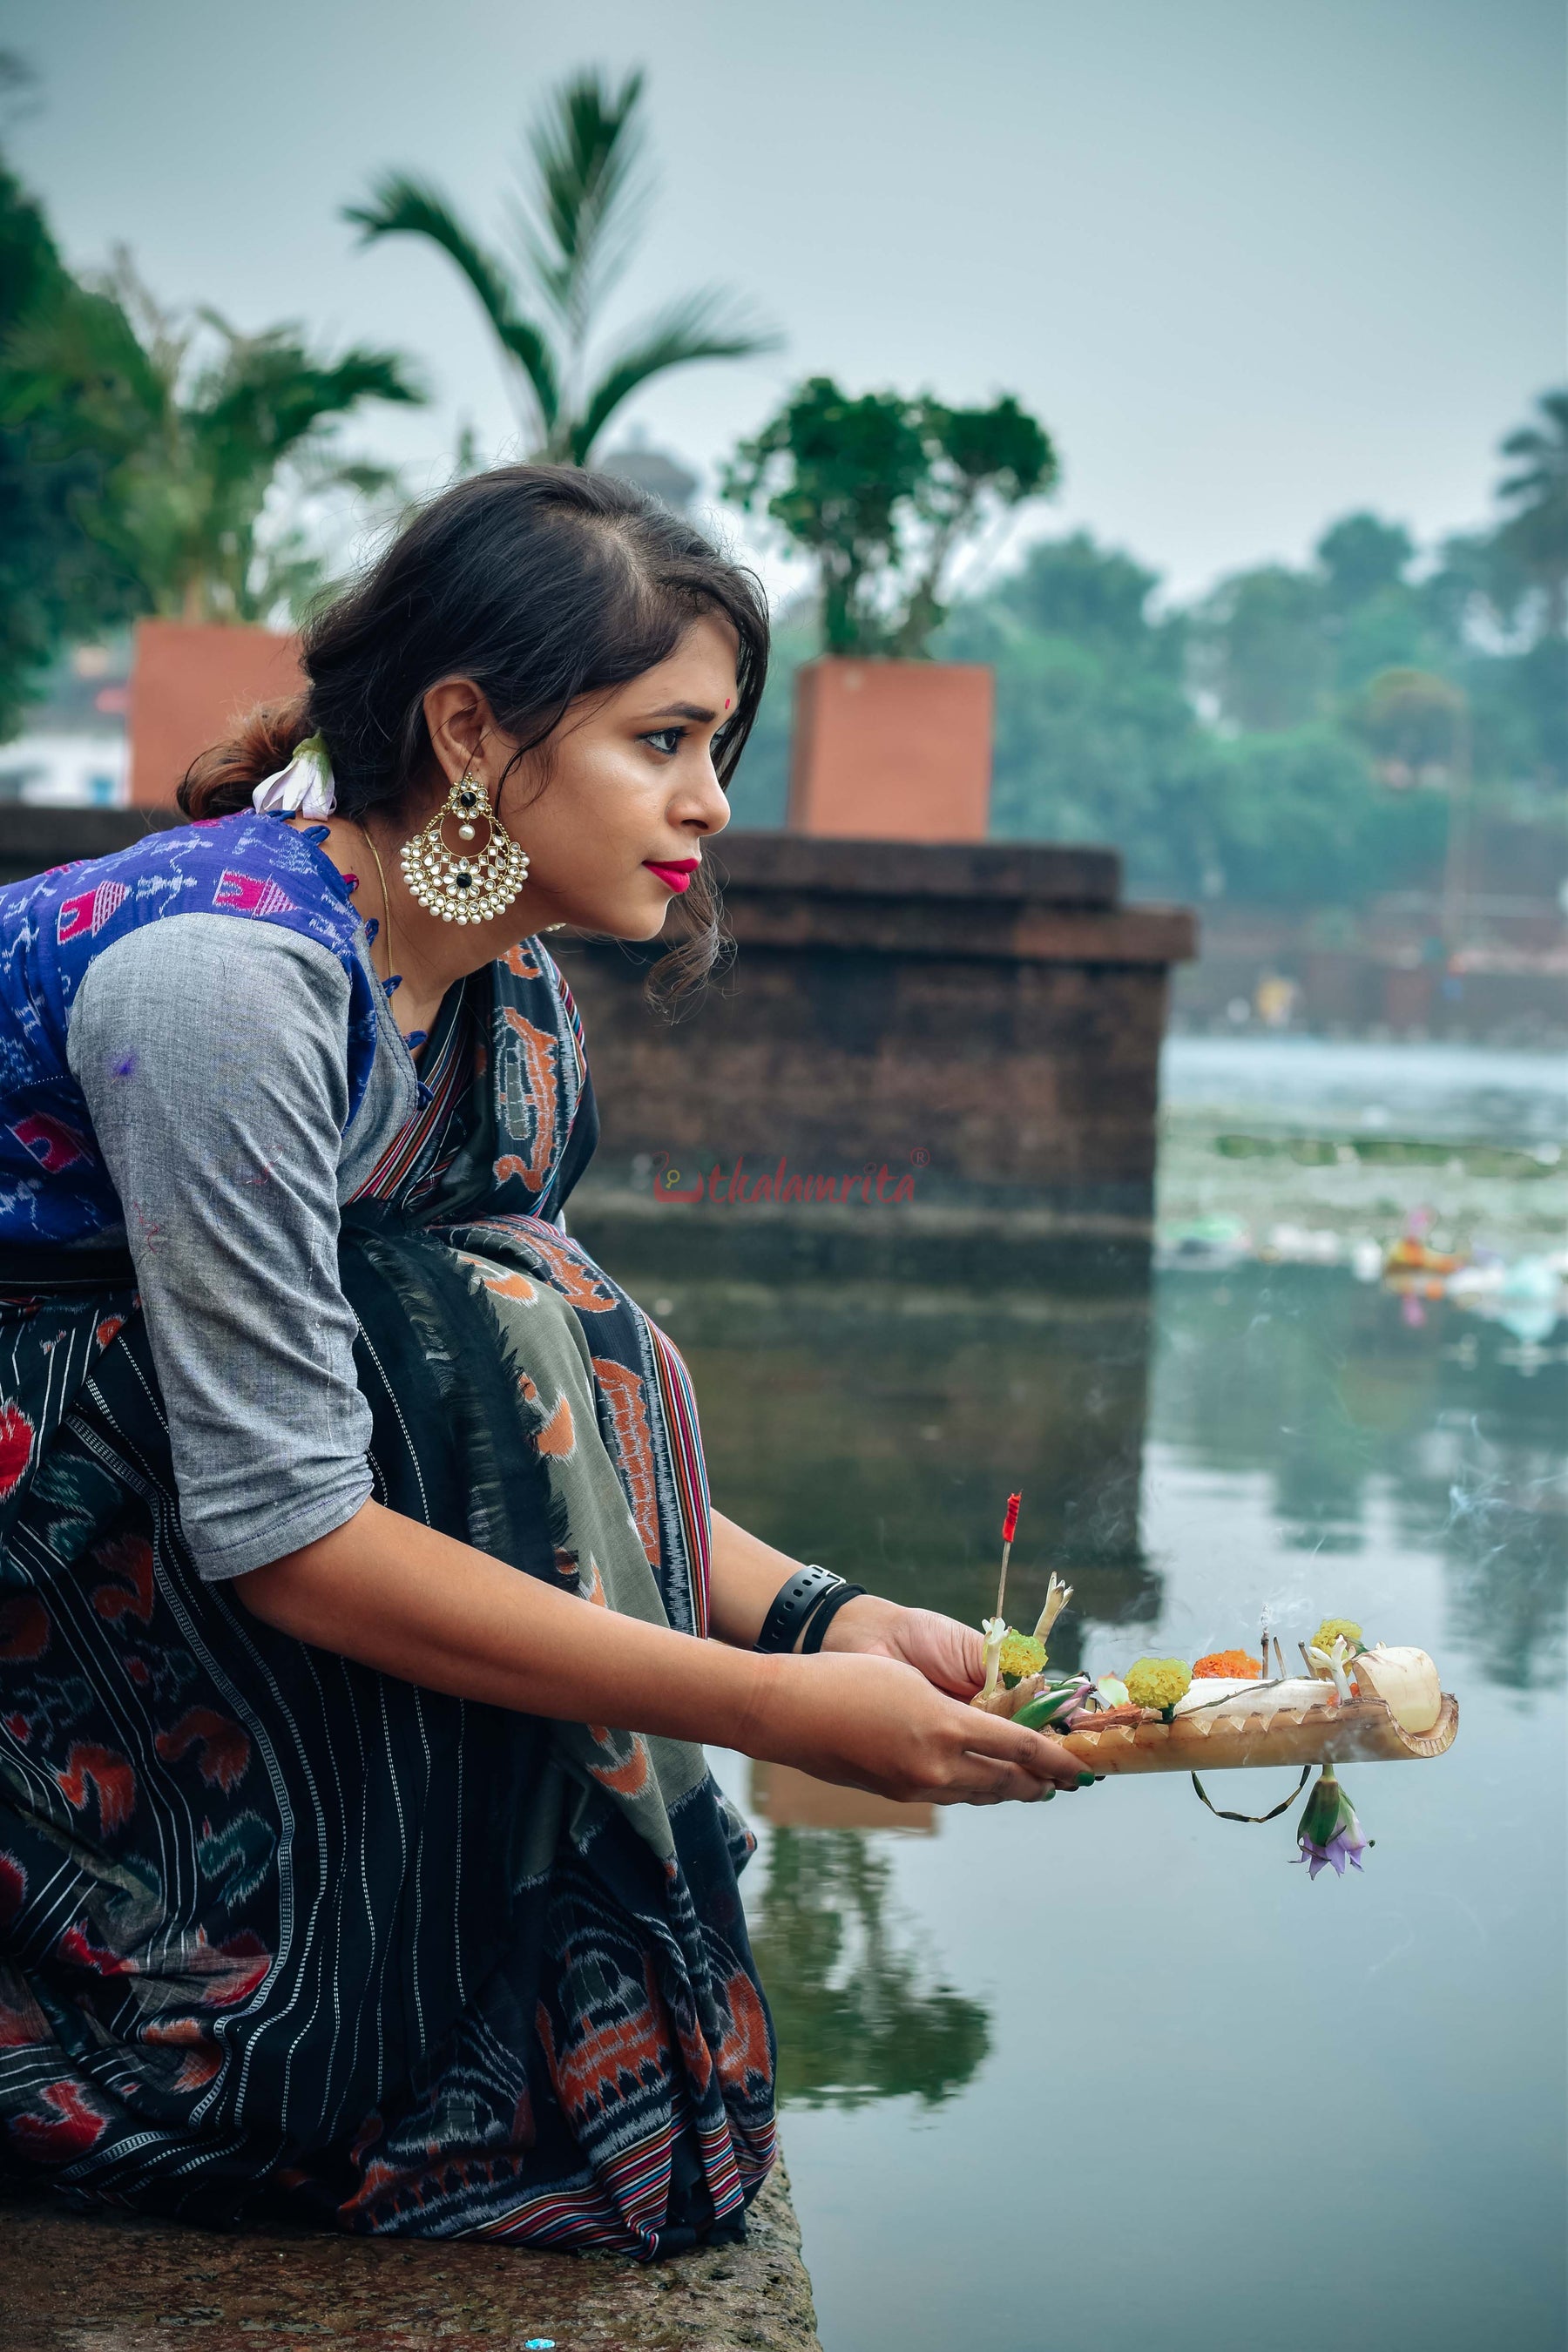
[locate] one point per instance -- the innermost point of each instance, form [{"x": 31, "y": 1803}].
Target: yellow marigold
[
  {"x": 1329, "y": 1629},
  {"x": 1158, "y": 1682},
  {"x": 1021, "y": 1655},
  {"x": 1235, "y": 1664}
]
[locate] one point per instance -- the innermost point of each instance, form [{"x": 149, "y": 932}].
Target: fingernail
[
  {"x": 1086, "y": 1780},
  {"x": 1045, "y": 1796}
]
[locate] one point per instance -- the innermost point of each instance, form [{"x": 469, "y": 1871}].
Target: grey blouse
[{"x": 212, "y": 1055}]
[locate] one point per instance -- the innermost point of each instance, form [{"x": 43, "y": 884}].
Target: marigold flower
[
  {"x": 1234, "y": 1663},
  {"x": 1331, "y": 1629},
  {"x": 1021, "y": 1654},
  {"x": 1158, "y": 1682}
]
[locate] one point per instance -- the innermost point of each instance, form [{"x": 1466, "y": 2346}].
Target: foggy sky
[{"x": 1255, "y": 263}]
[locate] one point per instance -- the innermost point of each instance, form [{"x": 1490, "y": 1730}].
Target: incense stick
[{"x": 1009, "y": 1529}]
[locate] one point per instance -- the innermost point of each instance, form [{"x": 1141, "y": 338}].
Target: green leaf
[
  {"x": 576, "y": 224},
  {"x": 401, "y": 206},
  {"x": 702, "y": 326}
]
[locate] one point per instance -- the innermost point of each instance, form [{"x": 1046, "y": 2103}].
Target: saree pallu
[{"x": 280, "y": 1933}]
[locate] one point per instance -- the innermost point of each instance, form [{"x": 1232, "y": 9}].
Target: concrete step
[{"x": 113, "y": 2282}]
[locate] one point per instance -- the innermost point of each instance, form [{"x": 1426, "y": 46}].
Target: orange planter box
[
  {"x": 891, "y": 751},
  {"x": 188, "y": 683}
]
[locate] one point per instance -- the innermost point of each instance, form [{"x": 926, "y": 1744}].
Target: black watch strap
[
  {"x": 823, "y": 1614},
  {"x": 806, "y": 1590}
]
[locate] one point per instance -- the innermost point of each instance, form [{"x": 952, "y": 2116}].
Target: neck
[{"x": 427, "y": 956}]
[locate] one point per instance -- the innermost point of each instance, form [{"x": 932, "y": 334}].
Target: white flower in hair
[{"x": 305, "y": 787}]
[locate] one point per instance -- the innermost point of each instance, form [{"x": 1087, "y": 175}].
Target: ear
[{"x": 462, "y": 730}]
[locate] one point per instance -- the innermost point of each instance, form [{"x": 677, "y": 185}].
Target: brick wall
[
  {"x": 975, "y": 1028},
  {"x": 982, "y": 1020}
]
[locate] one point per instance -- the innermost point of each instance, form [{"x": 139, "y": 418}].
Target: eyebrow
[{"x": 693, "y": 711}]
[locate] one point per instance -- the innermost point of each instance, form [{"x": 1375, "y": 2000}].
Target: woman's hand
[
  {"x": 873, "y": 1722},
  {"x": 950, "y": 1656}
]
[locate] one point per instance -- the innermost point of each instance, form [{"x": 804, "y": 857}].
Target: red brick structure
[
  {"x": 891, "y": 751},
  {"x": 964, "y": 1042},
  {"x": 187, "y": 682}
]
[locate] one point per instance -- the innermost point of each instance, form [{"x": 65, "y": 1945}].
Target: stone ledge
[
  {"x": 111, "y": 2282},
  {"x": 980, "y": 928},
  {"x": 1044, "y": 873}
]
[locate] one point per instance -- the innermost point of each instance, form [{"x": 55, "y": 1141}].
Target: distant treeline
[{"x": 1292, "y": 736}]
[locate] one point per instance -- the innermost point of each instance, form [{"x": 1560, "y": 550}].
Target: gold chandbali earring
[{"x": 464, "y": 885}]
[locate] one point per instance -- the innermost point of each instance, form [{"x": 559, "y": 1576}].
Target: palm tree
[
  {"x": 571, "y": 229},
  {"x": 189, "y": 427},
  {"x": 1536, "y": 532}
]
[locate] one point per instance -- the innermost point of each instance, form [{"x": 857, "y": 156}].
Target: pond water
[{"x": 1111, "y": 2070}]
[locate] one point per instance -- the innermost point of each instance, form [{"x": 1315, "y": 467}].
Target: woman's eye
[{"x": 667, "y": 739}]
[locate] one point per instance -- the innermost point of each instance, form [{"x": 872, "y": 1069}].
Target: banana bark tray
[{"x": 1225, "y": 1739}]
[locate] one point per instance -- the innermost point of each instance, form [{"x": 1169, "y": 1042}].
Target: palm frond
[
  {"x": 400, "y": 206},
  {"x": 707, "y": 325},
  {"x": 268, "y": 395},
  {"x": 587, "y": 149}
]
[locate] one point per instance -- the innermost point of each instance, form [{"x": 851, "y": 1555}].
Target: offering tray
[
  {"x": 1364, "y": 1731},
  {"x": 1357, "y": 1702}
]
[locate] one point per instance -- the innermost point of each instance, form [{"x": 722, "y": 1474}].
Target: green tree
[
  {"x": 54, "y": 581},
  {"x": 859, "y": 2018},
  {"x": 1298, "y": 819},
  {"x": 571, "y": 229},
  {"x": 1536, "y": 495},
  {"x": 1413, "y": 725},
  {"x": 1096, "y": 736},
  {"x": 190, "y": 428},
  {"x": 1099, "y": 738},
  {"x": 1361, "y": 558},
  {"x": 880, "y": 492},
  {"x": 1261, "y": 649}
]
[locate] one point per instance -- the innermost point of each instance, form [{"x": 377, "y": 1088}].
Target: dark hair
[{"x": 542, "y": 583}]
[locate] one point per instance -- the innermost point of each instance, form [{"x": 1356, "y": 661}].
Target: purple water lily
[{"x": 1328, "y": 1831}]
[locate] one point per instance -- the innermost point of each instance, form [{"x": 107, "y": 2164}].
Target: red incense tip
[{"x": 1010, "y": 1524}]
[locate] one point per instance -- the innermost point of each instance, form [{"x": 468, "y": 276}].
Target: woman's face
[{"x": 616, "y": 822}]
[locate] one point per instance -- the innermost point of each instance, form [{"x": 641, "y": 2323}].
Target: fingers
[
  {"x": 982, "y": 1781},
  {"x": 1030, "y": 1751}
]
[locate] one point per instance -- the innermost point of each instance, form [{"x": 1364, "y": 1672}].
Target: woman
[{"x": 349, "y": 1510}]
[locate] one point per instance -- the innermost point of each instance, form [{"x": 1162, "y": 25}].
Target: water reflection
[
  {"x": 880, "y": 1429},
  {"x": 1322, "y": 1387},
  {"x": 1273, "y": 1431},
  {"x": 860, "y": 2013}
]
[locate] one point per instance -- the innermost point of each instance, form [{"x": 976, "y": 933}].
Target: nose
[{"x": 708, "y": 810}]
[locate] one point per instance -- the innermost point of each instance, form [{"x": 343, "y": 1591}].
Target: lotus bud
[
  {"x": 1328, "y": 1829},
  {"x": 1054, "y": 1703}
]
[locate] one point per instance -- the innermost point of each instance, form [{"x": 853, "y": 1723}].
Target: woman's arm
[
  {"x": 400, "y": 1597},
  {"x": 747, "y": 1574}
]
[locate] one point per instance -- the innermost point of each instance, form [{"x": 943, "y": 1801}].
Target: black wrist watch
[
  {"x": 811, "y": 1598},
  {"x": 824, "y": 1612}
]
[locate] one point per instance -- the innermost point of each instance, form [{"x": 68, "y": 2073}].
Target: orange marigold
[{"x": 1234, "y": 1663}]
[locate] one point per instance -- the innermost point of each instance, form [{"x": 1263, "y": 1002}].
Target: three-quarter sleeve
[{"x": 213, "y": 1057}]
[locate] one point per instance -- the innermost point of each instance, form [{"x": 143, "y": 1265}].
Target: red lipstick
[{"x": 675, "y": 873}]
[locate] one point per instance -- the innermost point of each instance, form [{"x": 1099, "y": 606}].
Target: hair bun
[{"x": 222, "y": 779}]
